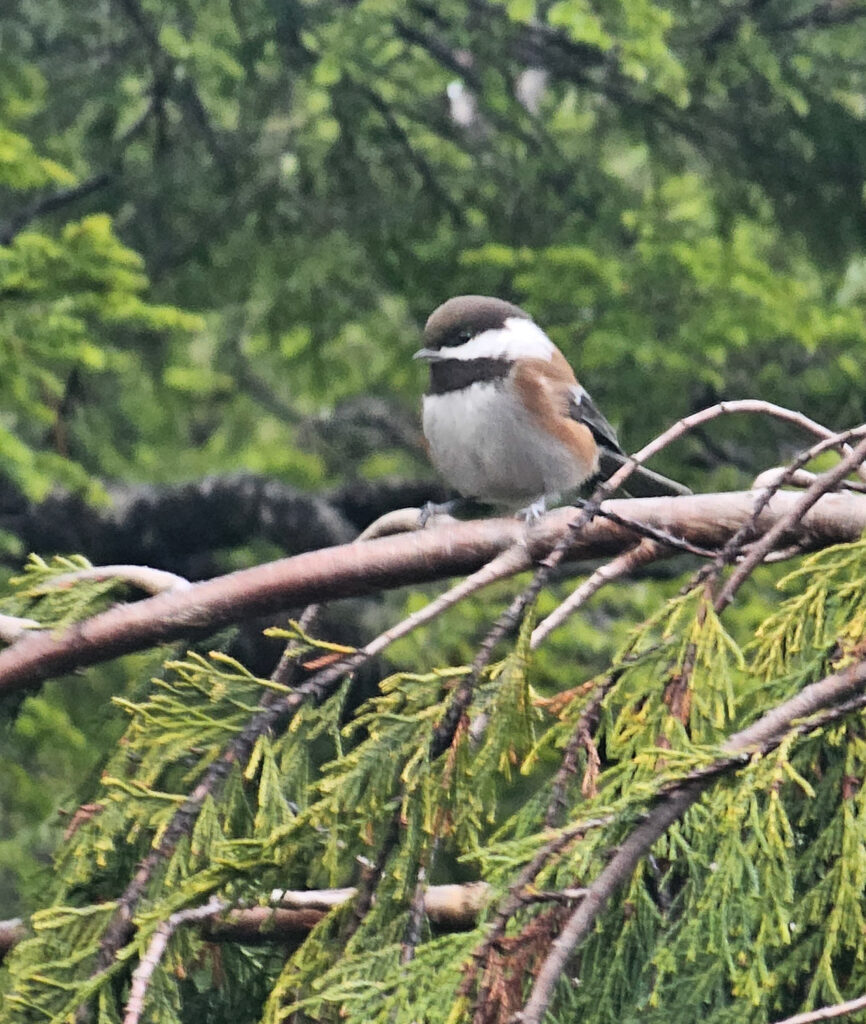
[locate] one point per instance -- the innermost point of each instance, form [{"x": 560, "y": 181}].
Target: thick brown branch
[{"x": 356, "y": 569}]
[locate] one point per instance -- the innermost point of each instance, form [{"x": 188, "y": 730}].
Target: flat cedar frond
[
  {"x": 676, "y": 692},
  {"x": 824, "y": 616},
  {"x": 504, "y": 732},
  {"x": 36, "y": 597},
  {"x": 65, "y": 942},
  {"x": 375, "y": 987},
  {"x": 189, "y": 715},
  {"x": 756, "y": 892}
]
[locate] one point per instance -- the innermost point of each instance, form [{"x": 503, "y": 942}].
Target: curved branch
[
  {"x": 351, "y": 570},
  {"x": 829, "y": 695},
  {"x": 827, "y": 1012},
  {"x": 151, "y": 581}
]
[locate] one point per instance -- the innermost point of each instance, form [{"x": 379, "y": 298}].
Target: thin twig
[
  {"x": 417, "y": 908},
  {"x": 747, "y": 531},
  {"x": 802, "y": 478},
  {"x": 513, "y": 560},
  {"x": 826, "y": 1012},
  {"x": 445, "y": 731},
  {"x": 155, "y": 949},
  {"x": 828, "y": 695},
  {"x": 739, "y": 548},
  {"x": 744, "y": 405},
  {"x": 822, "y": 484},
  {"x": 662, "y": 537},
  {"x": 642, "y": 554},
  {"x": 582, "y": 733}
]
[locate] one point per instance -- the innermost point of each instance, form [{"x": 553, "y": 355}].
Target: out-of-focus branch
[
  {"x": 179, "y": 526},
  {"x": 827, "y": 1012},
  {"x": 824, "y": 15},
  {"x": 13, "y": 628},
  {"x": 52, "y": 201},
  {"x": 12, "y": 932},
  {"x": 151, "y": 581},
  {"x": 291, "y": 914}
]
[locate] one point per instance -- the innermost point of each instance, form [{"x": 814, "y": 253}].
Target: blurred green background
[{"x": 223, "y": 223}]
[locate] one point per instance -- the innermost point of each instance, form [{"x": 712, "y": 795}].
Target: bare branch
[
  {"x": 828, "y": 695},
  {"x": 356, "y": 569},
  {"x": 151, "y": 581},
  {"x": 779, "y": 475},
  {"x": 826, "y": 1012},
  {"x": 652, "y": 533},
  {"x": 13, "y": 628},
  {"x": 735, "y": 546},
  {"x": 150, "y": 961},
  {"x": 821, "y": 485},
  {"x": 744, "y": 405},
  {"x": 644, "y": 553}
]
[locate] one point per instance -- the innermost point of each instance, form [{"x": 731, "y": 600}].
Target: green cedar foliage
[
  {"x": 681, "y": 201},
  {"x": 682, "y": 207},
  {"x": 751, "y": 906}
]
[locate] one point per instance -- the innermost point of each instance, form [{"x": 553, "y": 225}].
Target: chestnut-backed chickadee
[{"x": 505, "y": 418}]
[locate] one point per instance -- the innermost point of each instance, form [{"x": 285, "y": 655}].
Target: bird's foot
[
  {"x": 436, "y": 508},
  {"x": 532, "y": 513}
]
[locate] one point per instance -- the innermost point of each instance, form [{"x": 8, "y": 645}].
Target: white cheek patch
[{"x": 518, "y": 339}]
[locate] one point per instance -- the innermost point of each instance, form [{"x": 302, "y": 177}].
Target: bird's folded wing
[
  {"x": 643, "y": 483},
  {"x": 582, "y": 408}
]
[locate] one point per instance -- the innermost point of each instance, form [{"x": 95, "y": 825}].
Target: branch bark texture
[
  {"x": 762, "y": 736},
  {"x": 351, "y": 570}
]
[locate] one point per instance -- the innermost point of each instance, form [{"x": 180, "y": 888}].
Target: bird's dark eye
[{"x": 463, "y": 336}]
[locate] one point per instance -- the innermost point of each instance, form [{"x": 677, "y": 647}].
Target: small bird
[{"x": 506, "y": 421}]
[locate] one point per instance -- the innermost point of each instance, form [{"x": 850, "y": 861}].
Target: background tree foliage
[{"x": 222, "y": 225}]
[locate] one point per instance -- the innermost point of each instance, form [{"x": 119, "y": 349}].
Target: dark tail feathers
[{"x": 643, "y": 483}]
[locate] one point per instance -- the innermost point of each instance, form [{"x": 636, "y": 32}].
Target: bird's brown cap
[{"x": 466, "y": 316}]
